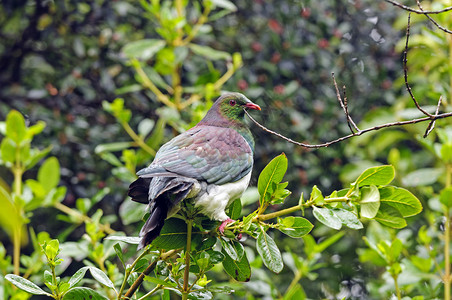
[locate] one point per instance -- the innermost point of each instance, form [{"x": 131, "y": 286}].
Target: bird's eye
[{"x": 231, "y": 102}]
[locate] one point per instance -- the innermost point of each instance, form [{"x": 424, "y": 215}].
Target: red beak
[{"x": 252, "y": 106}]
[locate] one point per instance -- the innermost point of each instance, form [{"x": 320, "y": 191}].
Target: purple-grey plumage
[{"x": 209, "y": 163}]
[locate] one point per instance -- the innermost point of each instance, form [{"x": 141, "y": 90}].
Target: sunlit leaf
[
  {"x": 233, "y": 249},
  {"x": 327, "y": 217},
  {"x": 348, "y": 218},
  {"x": 370, "y": 201},
  {"x": 49, "y": 173},
  {"x": 295, "y": 227},
  {"x": 381, "y": 175},
  {"x": 15, "y": 126},
  {"x": 272, "y": 173},
  {"x": 25, "y": 285},
  {"x": 126, "y": 239},
  {"x": 403, "y": 200},
  {"x": 268, "y": 250}
]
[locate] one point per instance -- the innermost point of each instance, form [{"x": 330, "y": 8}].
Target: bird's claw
[
  {"x": 223, "y": 227},
  {"x": 224, "y": 224}
]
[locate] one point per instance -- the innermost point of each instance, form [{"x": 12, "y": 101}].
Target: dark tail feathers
[
  {"x": 153, "y": 225},
  {"x": 168, "y": 193}
]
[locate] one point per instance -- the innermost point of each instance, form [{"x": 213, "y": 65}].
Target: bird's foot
[
  {"x": 223, "y": 227},
  {"x": 224, "y": 224}
]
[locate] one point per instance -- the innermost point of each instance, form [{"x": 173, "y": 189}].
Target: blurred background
[{"x": 113, "y": 81}]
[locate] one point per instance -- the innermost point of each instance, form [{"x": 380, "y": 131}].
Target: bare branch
[
  {"x": 431, "y": 125},
  {"x": 405, "y": 71},
  {"x": 343, "y": 103},
  {"x": 432, "y": 20},
  {"x": 421, "y": 12},
  {"x": 399, "y": 123}
]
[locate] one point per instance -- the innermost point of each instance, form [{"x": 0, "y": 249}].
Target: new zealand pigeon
[{"x": 209, "y": 164}]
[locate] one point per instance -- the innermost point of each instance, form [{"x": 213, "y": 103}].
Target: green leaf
[
  {"x": 370, "y": 201},
  {"x": 209, "y": 52},
  {"x": 389, "y": 216},
  {"x": 280, "y": 193},
  {"x": 118, "y": 251},
  {"x": 316, "y": 196},
  {"x": 445, "y": 197},
  {"x": 269, "y": 252},
  {"x": 446, "y": 152},
  {"x": 295, "y": 227},
  {"x": 234, "y": 249},
  {"x": 37, "y": 188},
  {"x": 15, "y": 126},
  {"x": 48, "y": 276},
  {"x": 83, "y": 293},
  {"x": 126, "y": 239},
  {"x": 143, "y": 49},
  {"x": 25, "y": 285},
  {"x": 77, "y": 277},
  {"x": 8, "y": 150},
  {"x": 112, "y": 147},
  {"x": 49, "y": 173},
  {"x": 327, "y": 217},
  {"x": 225, "y": 4},
  {"x": 381, "y": 175},
  {"x": 235, "y": 209},
  {"x": 320, "y": 247},
  {"x": 272, "y": 173},
  {"x": 160, "y": 281},
  {"x": 35, "y": 129},
  {"x": 174, "y": 235},
  {"x": 10, "y": 218},
  {"x": 145, "y": 126},
  {"x": 295, "y": 293},
  {"x": 403, "y": 200},
  {"x": 348, "y": 218},
  {"x": 52, "y": 249},
  {"x": 101, "y": 277},
  {"x": 36, "y": 155},
  {"x": 239, "y": 270},
  {"x": 422, "y": 177}
]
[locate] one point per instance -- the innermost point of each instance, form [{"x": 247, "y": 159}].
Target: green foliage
[{"x": 105, "y": 50}]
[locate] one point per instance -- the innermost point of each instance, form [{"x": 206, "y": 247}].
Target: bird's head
[{"x": 228, "y": 109}]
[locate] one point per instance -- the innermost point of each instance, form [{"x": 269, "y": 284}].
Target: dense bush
[{"x": 65, "y": 64}]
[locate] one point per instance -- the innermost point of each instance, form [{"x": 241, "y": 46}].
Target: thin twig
[
  {"x": 405, "y": 70},
  {"x": 421, "y": 12},
  {"x": 432, "y": 20},
  {"x": 187, "y": 258},
  {"x": 343, "y": 103},
  {"x": 386, "y": 125},
  {"x": 431, "y": 125},
  {"x": 146, "y": 272}
]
